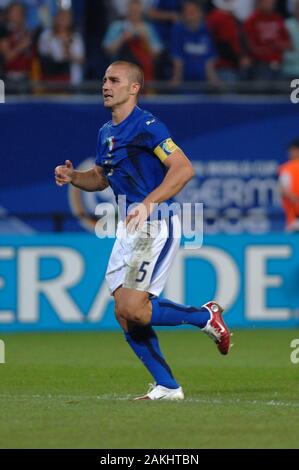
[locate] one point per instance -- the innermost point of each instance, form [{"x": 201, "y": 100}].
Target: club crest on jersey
[{"x": 111, "y": 143}]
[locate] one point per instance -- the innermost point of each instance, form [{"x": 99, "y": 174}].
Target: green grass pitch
[{"x": 74, "y": 390}]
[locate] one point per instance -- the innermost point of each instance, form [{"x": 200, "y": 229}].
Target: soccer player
[{"x": 137, "y": 158}]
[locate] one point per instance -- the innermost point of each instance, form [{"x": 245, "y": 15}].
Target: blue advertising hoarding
[
  {"x": 236, "y": 148},
  {"x": 56, "y": 282}
]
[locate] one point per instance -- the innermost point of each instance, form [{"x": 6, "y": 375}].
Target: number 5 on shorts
[{"x": 142, "y": 271}]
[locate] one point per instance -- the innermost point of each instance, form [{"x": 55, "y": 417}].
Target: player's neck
[{"x": 119, "y": 114}]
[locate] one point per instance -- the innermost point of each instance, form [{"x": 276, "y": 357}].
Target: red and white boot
[{"x": 216, "y": 328}]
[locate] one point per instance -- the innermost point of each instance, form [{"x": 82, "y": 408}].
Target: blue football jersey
[{"x": 132, "y": 153}]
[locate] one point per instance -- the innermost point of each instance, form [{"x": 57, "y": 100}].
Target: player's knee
[
  {"x": 121, "y": 320},
  {"x": 128, "y": 309}
]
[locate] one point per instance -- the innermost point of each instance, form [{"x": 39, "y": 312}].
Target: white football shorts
[{"x": 142, "y": 260}]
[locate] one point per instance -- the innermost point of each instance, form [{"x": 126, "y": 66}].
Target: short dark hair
[
  {"x": 135, "y": 70},
  {"x": 294, "y": 144}
]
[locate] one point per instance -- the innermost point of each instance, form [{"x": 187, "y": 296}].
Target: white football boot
[{"x": 158, "y": 392}]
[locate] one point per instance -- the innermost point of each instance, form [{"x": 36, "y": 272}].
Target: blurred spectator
[
  {"x": 133, "y": 39},
  {"x": 289, "y": 187},
  {"x": 227, "y": 33},
  {"x": 17, "y": 48},
  {"x": 291, "y": 57},
  {"x": 61, "y": 50},
  {"x": 164, "y": 14},
  {"x": 120, "y": 7},
  {"x": 268, "y": 39},
  {"x": 39, "y": 13},
  {"x": 192, "y": 48}
]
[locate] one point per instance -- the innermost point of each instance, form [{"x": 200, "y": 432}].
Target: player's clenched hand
[{"x": 64, "y": 173}]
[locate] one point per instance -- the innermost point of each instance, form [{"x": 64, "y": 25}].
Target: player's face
[
  {"x": 135, "y": 11},
  {"x": 116, "y": 87},
  {"x": 63, "y": 20},
  {"x": 192, "y": 14}
]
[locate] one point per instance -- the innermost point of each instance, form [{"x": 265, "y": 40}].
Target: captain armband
[{"x": 166, "y": 148}]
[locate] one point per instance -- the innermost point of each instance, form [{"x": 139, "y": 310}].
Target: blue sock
[
  {"x": 144, "y": 342},
  {"x": 167, "y": 313}
]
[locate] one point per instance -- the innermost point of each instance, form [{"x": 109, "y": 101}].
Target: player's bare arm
[
  {"x": 180, "y": 171},
  {"x": 89, "y": 180}
]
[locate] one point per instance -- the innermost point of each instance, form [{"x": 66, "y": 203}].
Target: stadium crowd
[{"x": 175, "y": 41}]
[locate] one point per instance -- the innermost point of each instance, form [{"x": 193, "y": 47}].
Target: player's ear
[{"x": 135, "y": 88}]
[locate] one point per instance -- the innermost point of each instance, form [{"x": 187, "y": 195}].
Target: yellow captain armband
[{"x": 166, "y": 148}]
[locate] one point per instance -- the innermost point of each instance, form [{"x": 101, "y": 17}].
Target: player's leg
[
  {"x": 132, "y": 306},
  {"x": 164, "y": 312},
  {"x": 140, "y": 267},
  {"x": 144, "y": 342},
  {"x": 208, "y": 318},
  {"x": 137, "y": 308},
  {"x": 148, "y": 273}
]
